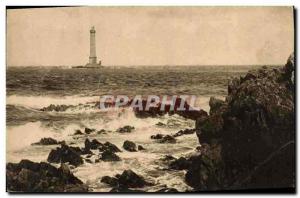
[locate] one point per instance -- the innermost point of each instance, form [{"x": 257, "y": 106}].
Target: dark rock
[
  {"x": 112, "y": 181},
  {"x": 180, "y": 164},
  {"x": 107, "y": 146},
  {"x": 88, "y": 161},
  {"x": 94, "y": 144},
  {"x": 184, "y": 132},
  {"x": 57, "y": 108},
  {"x": 88, "y": 130},
  {"x": 160, "y": 124},
  {"x": 102, "y": 131},
  {"x": 250, "y": 136},
  {"x": 78, "y": 132},
  {"x": 168, "y": 139},
  {"x": 65, "y": 154},
  {"x": 28, "y": 176},
  {"x": 157, "y": 136},
  {"x": 130, "y": 179},
  {"x": 125, "y": 129},
  {"x": 46, "y": 141},
  {"x": 129, "y": 146},
  {"x": 109, "y": 156},
  {"x": 140, "y": 148}
]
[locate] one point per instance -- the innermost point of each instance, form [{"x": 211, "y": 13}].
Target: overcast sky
[{"x": 151, "y": 35}]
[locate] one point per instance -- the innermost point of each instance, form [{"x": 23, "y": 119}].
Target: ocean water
[{"x": 31, "y": 88}]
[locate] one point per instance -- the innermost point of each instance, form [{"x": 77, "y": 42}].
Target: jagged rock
[
  {"x": 107, "y": 146},
  {"x": 140, "y": 148},
  {"x": 130, "y": 179},
  {"x": 65, "y": 154},
  {"x": 94, "y": 144},
  {"x": 157, "y": 136},
  {"x": 109, "y": 156},
  {"x": 168, "y": 139},
  {"x": 46, "y": 141},
  {"x": 129, "y": 146},
  {"x": 180, "y": 164},
  {"x": 78, "y": 132},
  {"x": 250, "y": 136},
  {"x": 28, "y": 176},
  {"x": 112, "y": 181},
  {"x": 88, "y": 130},
  {"x": 125, "y": 129}
]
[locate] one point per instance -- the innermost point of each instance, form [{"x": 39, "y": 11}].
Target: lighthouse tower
[{"x": 93, "y": 55}]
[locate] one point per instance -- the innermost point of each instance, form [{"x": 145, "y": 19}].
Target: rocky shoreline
[{"x": 246, "y": 142}]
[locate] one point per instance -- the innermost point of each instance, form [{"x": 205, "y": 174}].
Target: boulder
[
  {"x": 129, "y": 146},
  {"x": 94, "y": 144},
  {"x": 168, "y": 139},
  {"x": 130, "y": 179},
  {"x": 46, "y": 141},
  {"x": 28, "y": 176},
  {"x": 88, "y": 130},
  {"x": 78, "y": 132},
  {"x": 109, "y": 156},
  {"x": 107, "y": 146},
  {"x": 140, "y": 148},
  {"x": 111, "y": 181},
  {"x": 65, "y": 154},
  {"x": 125, "y": 129},
  {"x": 157, "y": 136}
]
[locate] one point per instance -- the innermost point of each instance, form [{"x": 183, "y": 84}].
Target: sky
[{"x": 150, "y": 35}]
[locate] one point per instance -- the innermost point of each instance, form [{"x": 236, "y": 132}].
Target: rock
[
  {"x": 140, "y": 148},
  {"x": 112, "y": 181},
  {"x": 157, "y": 136},
  {"x": 126, "y": 190},
  {"x": 215, "y": 105},
  {"x": 107, "y": 146},
  {"x": 102, "y": 131},
  {"x": 57, "y": 108},
  {"x": 125, "y": 129},
  {"x": 168, "y": 139},
  {"x": 46, "y": 141},
  {"x": 28, "y": 176},
  {"x": 88, "y": 161},
  {"x": 247, "y": 140},
  {"x": 65, "y": 154},
  {"x": 94, "y": 144},
  {"x": 78, "y": 132},
  {"x": 129, "y": 146},
  {"x": 130, "y": 179},
  {"x": 180, "y": 164},
  {"x": 184, "y": 132},
  {"x": 88, "y": 130},
  {"x": 160, "y": 124},
  {"x": 109, "y": 156}
]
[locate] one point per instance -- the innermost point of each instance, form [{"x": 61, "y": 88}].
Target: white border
[{"x": 4, "y": 3}]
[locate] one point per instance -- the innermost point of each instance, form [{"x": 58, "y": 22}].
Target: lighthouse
[{"x": 93, "y": 55}]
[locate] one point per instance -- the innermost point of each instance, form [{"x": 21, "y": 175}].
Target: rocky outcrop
[
  {"x": 66, "y": 154},
  {"x": 129, "y": 146},
  {"x": 249, "y": 139},
  {"x": 28, "y": 176},
  {"x": 47, "y": 141}
]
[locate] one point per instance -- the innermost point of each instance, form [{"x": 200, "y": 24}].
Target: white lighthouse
[{"x": 93, "y": 55}]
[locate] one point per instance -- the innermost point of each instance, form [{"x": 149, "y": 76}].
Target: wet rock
[
  {"x": 180, "y": 164},
  {"x": 46, "y": 141},
  {"x": 88, "y": 130},
  {"x": 168, "y": 190},
  {"x": 184, "y": 132},
  {"x": 65, "y": 154},
  {"x": 129, "y": 146},
  {"x": 107, "y": 146},
  {"x": 112, "y": 181},
  {"x": 109, "y": 156},
  {"x": 130, "y": 179},
  {"x": 94, "y": 144},
  {"x": 78, "y": 132},
  {"x": 157, "y": 136},
  {"x": 28, "y": 176},
  {"x": 57, "y": 108},
  {"x": 102, "y": 131},
  {"x": 160, "y": 124},
  {"x": 141, "y": 148},
  {"x": 168, "y": 139},
  {"x": 125, "y": 129},
  {"x": 247, "y": 135}
]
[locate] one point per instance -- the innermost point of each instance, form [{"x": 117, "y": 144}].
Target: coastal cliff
[{"x": 248, "y": 140}]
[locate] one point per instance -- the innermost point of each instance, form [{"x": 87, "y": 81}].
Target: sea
[{"x": 29, "y": 89}]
